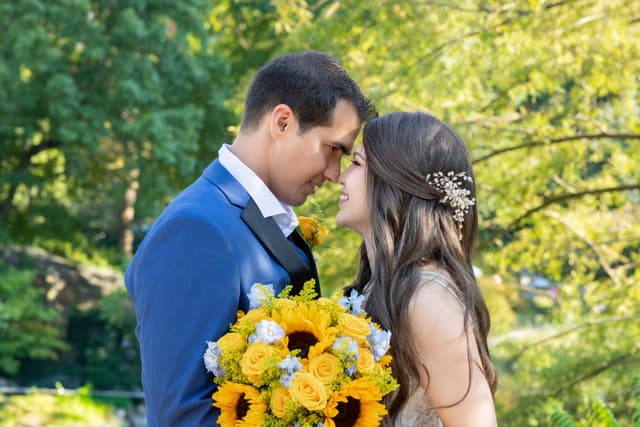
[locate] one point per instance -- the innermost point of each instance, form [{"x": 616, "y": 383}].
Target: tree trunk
[{"x": 127, "y": 214}]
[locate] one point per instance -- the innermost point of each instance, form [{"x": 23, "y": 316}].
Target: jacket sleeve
[{"x": 186, "y": 287}]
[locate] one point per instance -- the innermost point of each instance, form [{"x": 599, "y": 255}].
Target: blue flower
[
  {"x": 259, "y": 294},
  {"x": 286, "y": 379},
  {"x": 290, "y": 364},
  {"x": 268, "y": 332},
  {"x": 347, "y": 348},
  {"x": 380, "y": 341},
  {"x": 211, "y": 359},
  {"x": 353, "y": 303}
]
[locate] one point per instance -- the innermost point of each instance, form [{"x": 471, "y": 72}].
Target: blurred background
[{"x": 108, "y": 108}]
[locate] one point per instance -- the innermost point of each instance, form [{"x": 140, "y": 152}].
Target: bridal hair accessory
[{"x": 455, "y": 195}]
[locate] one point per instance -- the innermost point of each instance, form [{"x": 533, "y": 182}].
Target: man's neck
[{"x": 251, "y": 150}]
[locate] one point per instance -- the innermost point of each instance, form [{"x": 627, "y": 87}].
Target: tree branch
[
  {"x": 557, "y": 141},
  {"x": 35, "y": 149},
  {"x": 570, "y": 330},
  {"x": 569, "y": 196},
  {"x": 624, "y": 359},
  {"x": 606, "y": 266},
  {"x": 25, "y": 160}
]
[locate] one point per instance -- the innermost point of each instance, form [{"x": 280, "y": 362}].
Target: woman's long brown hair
[{"x": 409, "y": 227}]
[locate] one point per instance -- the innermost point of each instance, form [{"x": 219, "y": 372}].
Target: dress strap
[{"x": 440, "y": 279}]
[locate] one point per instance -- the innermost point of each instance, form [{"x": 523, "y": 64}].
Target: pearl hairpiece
[{"x": 455, "y": 195}]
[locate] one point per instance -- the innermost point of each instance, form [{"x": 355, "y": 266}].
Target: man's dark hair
[{"x": 311, "y": 83}]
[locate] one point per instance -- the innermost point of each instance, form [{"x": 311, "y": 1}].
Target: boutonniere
[{"x": 313, "y": 230}]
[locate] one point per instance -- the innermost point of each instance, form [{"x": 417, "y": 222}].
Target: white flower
[
  {"x": 211, "y": 359},
  {"x": 268, "y": 332},
  {"x": 259, "y": 294}
]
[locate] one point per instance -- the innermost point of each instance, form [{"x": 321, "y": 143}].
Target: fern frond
[
  {"x": 635, "y": 418},
  {"x": 599, "y": 415},
  {"x": 561, "y": 418}
]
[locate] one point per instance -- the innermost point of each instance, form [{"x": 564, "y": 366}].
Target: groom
[{"x": 234, "y": 226}]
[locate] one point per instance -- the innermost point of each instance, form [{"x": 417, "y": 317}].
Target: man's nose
[{"x": 332, "y": 173}]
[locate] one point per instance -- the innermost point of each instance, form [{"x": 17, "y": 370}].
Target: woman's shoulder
[
  {"x": 436, "y": 301},
  {"x": 434, "y": 275}
]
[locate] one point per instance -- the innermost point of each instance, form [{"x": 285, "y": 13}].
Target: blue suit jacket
[{"x": 188, "y": 278}]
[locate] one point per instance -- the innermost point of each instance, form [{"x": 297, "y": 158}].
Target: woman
[{"x": 409, "y": 193}]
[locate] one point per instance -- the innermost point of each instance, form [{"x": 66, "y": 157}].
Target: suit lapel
[
  {"x": 270, "y": 235},
  {"x": 302, "y": 244}
]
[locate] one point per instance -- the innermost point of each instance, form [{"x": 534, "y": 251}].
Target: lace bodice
[{"x": 418, "y": 412}]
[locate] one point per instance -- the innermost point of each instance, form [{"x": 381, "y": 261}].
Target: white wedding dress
[{"x": 418, "y": 411}]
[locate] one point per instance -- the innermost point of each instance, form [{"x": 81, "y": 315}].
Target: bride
[{"x": 409, "y": 193}]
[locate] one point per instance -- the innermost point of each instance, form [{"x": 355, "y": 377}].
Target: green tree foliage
[
  {"x": 27, "y": 324},
  {"x": 596, "y": 414},
  {"x": 58, "y": 410},
  {"x": 103, "y": 103}
]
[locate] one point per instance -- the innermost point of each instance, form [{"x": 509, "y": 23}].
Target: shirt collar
[{"x": 266, "y": 201}]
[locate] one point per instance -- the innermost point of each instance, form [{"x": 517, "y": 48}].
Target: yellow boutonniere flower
[{"x": 313, "y": 230}]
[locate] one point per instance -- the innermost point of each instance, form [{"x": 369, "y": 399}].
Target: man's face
[{"x": 302, "y": 162}]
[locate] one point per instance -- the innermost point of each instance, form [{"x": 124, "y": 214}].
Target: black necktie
[
  {"x": 305, "y": 253},
  {"x": 299, "y": 248}
]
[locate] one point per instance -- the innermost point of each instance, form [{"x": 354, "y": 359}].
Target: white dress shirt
[{"x": 266, "y": 201}]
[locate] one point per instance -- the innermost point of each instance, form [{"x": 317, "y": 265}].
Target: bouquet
[{"x": 303, "y": 362}]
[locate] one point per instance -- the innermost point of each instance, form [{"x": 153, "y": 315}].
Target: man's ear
[{"x": 281, "y": 120}]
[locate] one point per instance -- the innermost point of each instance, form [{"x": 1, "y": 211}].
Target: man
[{"x": 234, "y": 226}]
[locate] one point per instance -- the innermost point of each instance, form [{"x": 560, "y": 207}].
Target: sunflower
[
  {"x": 356, "y": 404},
  {"x": 239, "y": 403},
  {"x": 307, "y": 329}
]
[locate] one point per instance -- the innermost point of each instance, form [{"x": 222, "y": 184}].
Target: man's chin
[{"x": 298, "y": 202}]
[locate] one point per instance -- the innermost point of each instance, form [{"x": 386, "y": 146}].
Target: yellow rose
[
  {"x": 308, "y": 391},
  {"x": 366, "y": 362},
  {"x": 312, "y": 230},
  {"x": 253, "y": 316},
  {"x": 231, "y": 341},
  {"x": 279, "y": 399},
  {"x": 321, "y": 233},
  {"x": 252, "y": 362},
  {"x": 355, "y": 327},
  {"x": 326, "y": 367}
]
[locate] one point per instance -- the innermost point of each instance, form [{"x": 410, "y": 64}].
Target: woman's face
[{"x": 353, "y": 205}]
